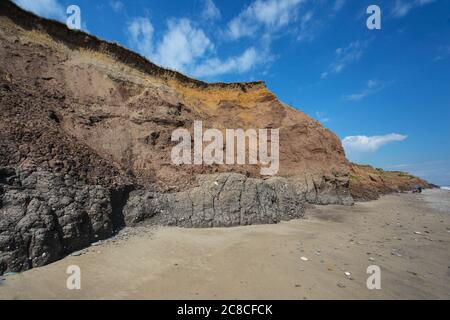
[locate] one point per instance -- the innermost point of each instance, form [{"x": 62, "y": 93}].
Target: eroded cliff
[{"x": 85, "y": 146}]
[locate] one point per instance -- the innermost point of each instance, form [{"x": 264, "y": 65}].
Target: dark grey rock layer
[
  {"x": 44, "y": 217},
  {"x": 221, "y": 200}
]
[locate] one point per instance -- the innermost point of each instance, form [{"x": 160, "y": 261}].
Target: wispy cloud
[
  {"x": 443, "y": 53},
  {"x": 402, "y": 8},
  {"x": 313, "y": 16},
  {"x": 116, "y": 5},
  {"x": 322, "y": 117},
  {"x": 187, "y": 48},
  {"x": 140, "y": 33},
  {"x": 245, "y": 62},
  {"x": 210, "y": 11},
  {"x": 339, "y": 4},
  {"x": 372, "y": 87},
  {"x": 266, "y": 15},
  {"x": 179, "y": 48},
  {"x": 45, "y": 8},
  {"x": 307, "y": 27},
  {"x": 345, "y": 56},
  {"x": 364, "y": 144},
  {"x": 182, "y": 45}
]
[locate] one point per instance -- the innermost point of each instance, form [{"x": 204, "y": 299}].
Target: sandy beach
[{"x": 406, "y": 235}]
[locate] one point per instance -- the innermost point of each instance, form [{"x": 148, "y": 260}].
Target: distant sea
[{"x": 437, "y": 199}]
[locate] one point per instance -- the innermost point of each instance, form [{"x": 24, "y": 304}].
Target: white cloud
[
  {"x": 210, "y": 11},
  {"x": 116, "y": 5},
  {"x": 239, "y": 64},
  {"x": 140, "y": 31},
  {"x": 271, "y": 15},
  {"x": 186, "y": 48},
  {"x": 182, "y": 45},
  {"x": 372, "y": 87},
  {"x": 402, "y": 8},
  {"x": 364, "y": 144},
  {"x": 345, "y": 56},
  {"x": 178, "y": 48},
  {"x": 45, "y": 8}
]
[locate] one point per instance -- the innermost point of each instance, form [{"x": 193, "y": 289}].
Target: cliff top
[{"x": 60, "y": 32}]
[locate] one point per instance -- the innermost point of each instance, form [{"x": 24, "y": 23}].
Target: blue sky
[{"x": 385, "y": 92}]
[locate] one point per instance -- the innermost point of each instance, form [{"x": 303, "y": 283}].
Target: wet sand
[{"x": 406, "y": 235}]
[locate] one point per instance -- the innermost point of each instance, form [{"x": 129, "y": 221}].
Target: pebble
[
  {"x": 304, "y": 258},
  {"x": 341, "y": 285},
  {"x": 371, "y": 259},
  {"x": 348, "y": 274},
  {"x": 395, "y": 253},
  {"x": 77, "y": 253},
  {"x": 417, "y": 232}
]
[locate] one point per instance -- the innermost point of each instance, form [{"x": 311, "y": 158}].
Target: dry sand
[{"x": 264, "y": 262}]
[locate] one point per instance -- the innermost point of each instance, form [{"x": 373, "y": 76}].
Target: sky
[{"x": 385, "y": 93}]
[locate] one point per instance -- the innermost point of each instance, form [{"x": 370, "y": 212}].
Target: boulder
[
  {"x": 46, "y": 218},
  {"x": 221, "y": 200}
]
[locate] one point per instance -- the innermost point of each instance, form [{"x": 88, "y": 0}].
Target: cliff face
[
  {"x": 85, "y": 146},
  {"x": 368, "y": 183},
  {"x": 74, "y": 104}
]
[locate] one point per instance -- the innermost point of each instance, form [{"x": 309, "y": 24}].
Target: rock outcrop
[
  {"x": 45, "y": 216},
  {"x": 222, "y": 200},
  {"x": 368, "y": 183}
]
